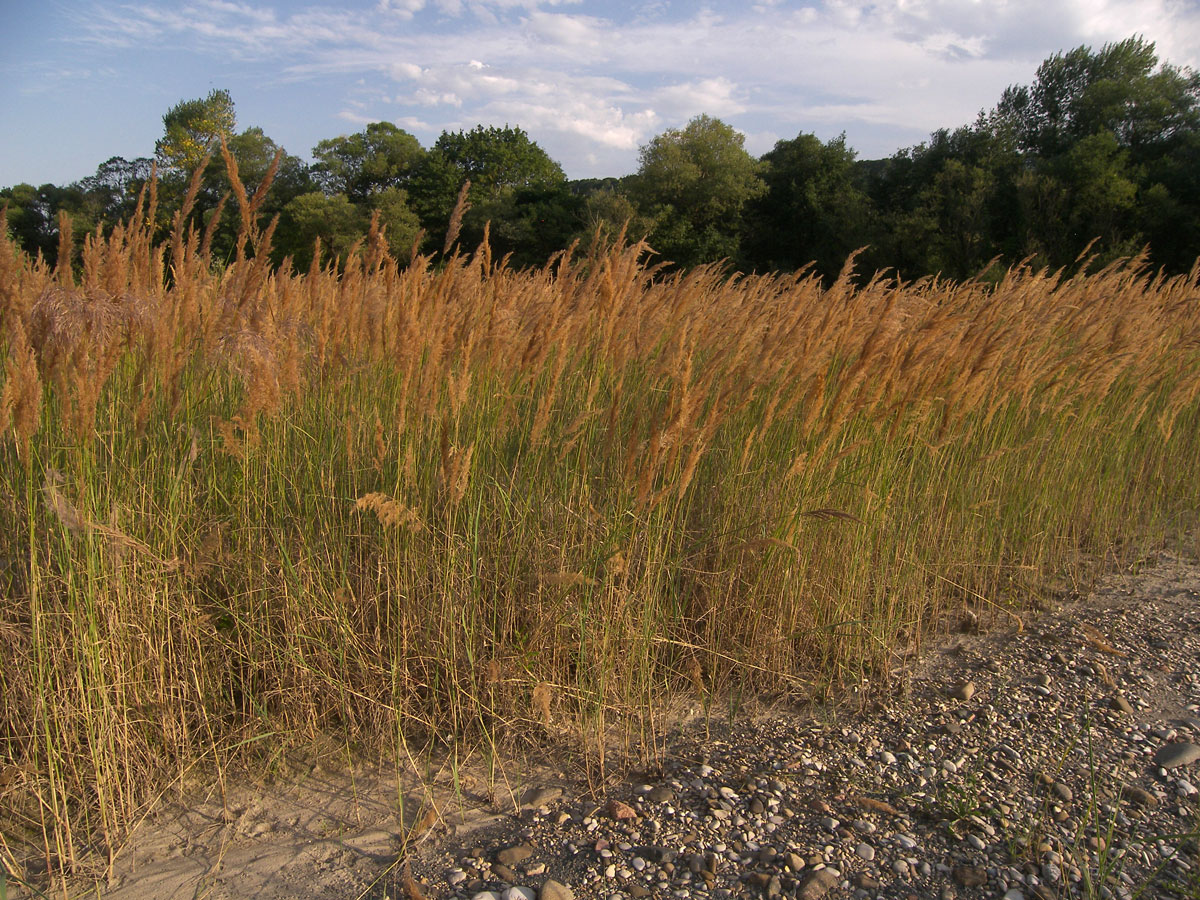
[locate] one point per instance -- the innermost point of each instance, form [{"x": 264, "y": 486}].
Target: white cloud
[
  {"x": 714, "y": 96},
  {"x": 595, "y": 87},
  {"x": 402, "y": 9}
]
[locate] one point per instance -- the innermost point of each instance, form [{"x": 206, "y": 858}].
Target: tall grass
[{"x": 243, "y": 509}]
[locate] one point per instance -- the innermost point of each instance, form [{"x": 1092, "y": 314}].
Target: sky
[{"x": 591, "y": 82}]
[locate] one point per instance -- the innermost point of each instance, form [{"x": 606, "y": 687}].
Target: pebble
[
  {"x": 964, "y": 691},
  {"x": 1172, "y": 756},
  {"x": 934, "y": 794}
]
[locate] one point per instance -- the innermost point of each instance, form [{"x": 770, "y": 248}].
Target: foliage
[
  {"x": 193, "y": 128},
  {"x": 694, "y": 183},
  {"x": 1100, "y": 151},
  {"x": 336, "y": 222},
  {"x": 379, "y": 157},
  {"x": 462, "y": 503},
  {"x": 813, "y": 209},
  {"x": 500, "y": 163}
]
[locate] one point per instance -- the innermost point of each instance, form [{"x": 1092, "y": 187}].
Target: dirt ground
[{"x": 323, "y": 832}]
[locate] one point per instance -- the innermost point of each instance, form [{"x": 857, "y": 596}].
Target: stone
[
  {"x": 970, "y": 876},
  {"x": 555, "y": 890},
  {"x": 660, "y": 794},
  {"x": 865, "y": 851},
  {"x": 519, "y": 893},
  {"x": 964, "y": 691},
  {"x": 1171, "y": 756},
  {"x": 503, "y": 873},
  {"x": 1062, "y": 792},
  {"x": 619, "y": 809},
  {"x": 817, "y": 885},
  {"x": 1138, "y": 796},
  {"x": 510, "y": 856},
  {"x": 540, "y": 796},
  {"x": 1120, "y": 704}
]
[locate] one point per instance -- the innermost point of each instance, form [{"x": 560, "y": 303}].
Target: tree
[
  {"x": 813, "y": 210},
  {"x": 1120, "y": 90},
  {"x": 695, "y": 182},
  {"x": 31, "y": 219},
  {"x": 401, "y": 222},
  {"x": 113, "y": 191},
  {"x": 499, "y": 163},
  {"x": 379, "y": 157},
  {"x": 1102, "y": 133},
  {"x": 606, "y": 210},
  {"x": 335, "y": 220},
  {"x": 192, "y": 128}
]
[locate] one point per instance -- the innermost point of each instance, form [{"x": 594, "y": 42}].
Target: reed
[{"x": 450, "y": 502}]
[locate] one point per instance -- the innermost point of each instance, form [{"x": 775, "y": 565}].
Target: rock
[
  {"x": 1172, "y": 755},
  {"x": 1120, "y": 704},
  {"x": 865, "y": 851},
  {"x": 487, "y": 895},
  {"x": 970, "y": 876},
  {"x": 1138, "y": 796},
  {"x": 660, "y": 794},
  {"x": 964, "y": 691},
  {"x": 1062, "y": 792},
  {"x": 865, "y": 882},
  {"x": 503, "y": 873},
  {"x": 554, "y": 890},
  {"x": 520, "y": 893},
  {"x": 619, "y": 809},
  {"x": 540, "y": 796},
  {"x": 510, "y": 856},
  {"x": 818, "y": 884}
]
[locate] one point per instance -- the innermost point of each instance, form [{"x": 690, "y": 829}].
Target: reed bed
[{"x": 243, "y": 510}]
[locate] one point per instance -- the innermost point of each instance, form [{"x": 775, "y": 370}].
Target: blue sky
[{"x": 591, "y": 82}]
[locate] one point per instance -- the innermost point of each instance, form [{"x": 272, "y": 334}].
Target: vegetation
[
  {"x": 1103, "y": 146},
  {"x": 245, "y": 509}
]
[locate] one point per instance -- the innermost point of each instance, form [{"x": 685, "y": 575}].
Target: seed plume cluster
[{"x": 395, "y": 503}]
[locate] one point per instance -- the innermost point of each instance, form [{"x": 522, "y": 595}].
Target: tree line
[{"x": 1100, "y": 154}]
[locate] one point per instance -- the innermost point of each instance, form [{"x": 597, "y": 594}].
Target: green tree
[
  {"x": 191, "y": 128},
  {"x": 694, "y": 182},
  {"x": 1103, "y": 134},
  {"x": 113, "y": 191},
  {"x": 814, "y": 209},
  {"x": 398, "y": 217},
  {"x": 1121, "y": 90},
  {"x": 336, "y": 221},
  {"x": 31, "y": 220},
  {"x": 606, "y": 210},
  {"x": 381, "y": 156},
  {"x": 499, "y": 163}
]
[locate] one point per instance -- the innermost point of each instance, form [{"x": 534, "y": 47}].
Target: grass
[{"x": 449, "y": 503}]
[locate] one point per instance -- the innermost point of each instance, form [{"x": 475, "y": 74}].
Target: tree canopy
[
  {"x": 379, "y": 157},
  {"x": 191, "y": 128},
  {"x": 1100, "y": 150},
  {"x": 694, "y": 182}
]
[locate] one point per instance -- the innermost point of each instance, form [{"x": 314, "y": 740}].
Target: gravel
[{"x": 1056, "y": 761}]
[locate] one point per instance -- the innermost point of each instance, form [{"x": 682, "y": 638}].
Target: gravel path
[{"x": 1058, "y": 761}]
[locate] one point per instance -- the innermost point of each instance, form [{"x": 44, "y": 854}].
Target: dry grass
[{"x": 456, "y": 502}]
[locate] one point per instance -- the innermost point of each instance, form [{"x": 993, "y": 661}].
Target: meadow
[{"x": 447, "y": 503}]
